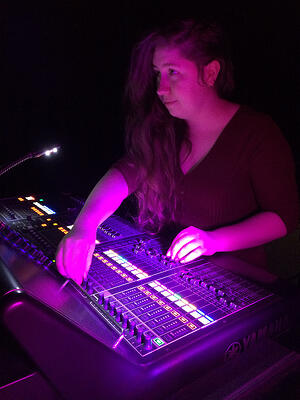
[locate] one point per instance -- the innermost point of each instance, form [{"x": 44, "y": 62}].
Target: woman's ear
[{"x": 210, "y": 73}]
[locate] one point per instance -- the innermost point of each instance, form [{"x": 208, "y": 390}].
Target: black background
[{"x": 64, "y": 65}]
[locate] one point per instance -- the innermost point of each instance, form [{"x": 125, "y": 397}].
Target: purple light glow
[
  {"x": 64, "y": 285},
  {"x": 15, "y": 305},
  {"x": 17, "y": 290},
  {"x": 18, "y": 380},
  {"x": 118, "y": 341}
]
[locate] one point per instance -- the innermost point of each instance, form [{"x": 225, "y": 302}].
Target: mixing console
[{"x": 154, "y": 305}]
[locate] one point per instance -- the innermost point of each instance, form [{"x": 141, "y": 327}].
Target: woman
[{"x": 193, "y": 157}]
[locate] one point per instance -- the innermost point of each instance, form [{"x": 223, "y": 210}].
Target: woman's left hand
[{"x": 191, "y": 243}]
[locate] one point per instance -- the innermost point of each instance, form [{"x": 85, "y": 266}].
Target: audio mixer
[{"x": 161, "y": 318}]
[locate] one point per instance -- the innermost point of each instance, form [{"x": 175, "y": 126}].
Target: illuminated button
[
  {"x": 134, "y": 272},
  {"x": 182, "y": 319},
  {"x": 204, "y": 321},
  {"x": 187, "y": 308},
  {"x": 152, "y": 284},
  {"x": 55, "y": 223},
  {"x": 30, "y": 198},
  {"x": 141, "y": 276},
  {"x": 192, "y": 326},
  {"x": 130, "y": 268},
  {"x": 140, "y": 271},
  {"x": 20, "y": 199},
  {"x": 158, "y": 289},
  {"x": 173, "y": 298},
  {"x": 195, "y": 314},
  {"x": 158, "y": 341},
  {"x": 165, "y": 293},
  {"x": 43, "y": 224},
  {"x": 48, "y": 219},
  {"x": 177, "y": 296},
  {"x": 180, "y": 303}
]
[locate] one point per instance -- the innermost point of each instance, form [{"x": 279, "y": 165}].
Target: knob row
[
  {"x": 221, "y": 296},
  {"x": 121, "y": 316},
  {"x": 23, "y": 245}
]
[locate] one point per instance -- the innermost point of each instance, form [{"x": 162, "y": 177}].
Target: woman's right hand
[{"x": 74, "y": 254}]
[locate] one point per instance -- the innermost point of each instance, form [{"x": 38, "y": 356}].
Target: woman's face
[{"x": 179, "y": 85}]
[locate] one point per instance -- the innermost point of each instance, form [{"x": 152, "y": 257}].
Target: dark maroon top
[{"x": 249, "y": 169}]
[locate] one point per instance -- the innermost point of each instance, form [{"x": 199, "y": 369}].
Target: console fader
[{"x": 154, "y": 305}]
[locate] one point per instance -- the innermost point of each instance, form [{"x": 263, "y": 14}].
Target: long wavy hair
[{"x": 153, "y": 137}]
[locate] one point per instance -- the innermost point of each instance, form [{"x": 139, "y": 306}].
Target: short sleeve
[
  {"x": 129, "y": 172},
  {"x": 273, "y": 174}
]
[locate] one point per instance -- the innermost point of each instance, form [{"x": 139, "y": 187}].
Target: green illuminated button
[
  {"x": 41, "y": 200},
  {"x": 158, "y": 341}
]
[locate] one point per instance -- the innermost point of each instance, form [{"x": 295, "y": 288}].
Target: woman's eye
[{"x": 173, "y": 72}]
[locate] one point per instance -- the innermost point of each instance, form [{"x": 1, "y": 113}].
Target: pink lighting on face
[
  {"x": 118, "y": 341},
  {"x": 178, "y": 85}
]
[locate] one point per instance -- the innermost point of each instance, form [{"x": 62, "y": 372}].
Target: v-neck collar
[{"x": 218, "y": 142}]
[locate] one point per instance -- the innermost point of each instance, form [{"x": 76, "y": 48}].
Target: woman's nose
[{"x": 163, "y": 87}]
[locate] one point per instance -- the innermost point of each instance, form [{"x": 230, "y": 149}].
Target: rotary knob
[
  {"x": 118, "y": 314},
  {"x": 147, "y": 340},
  {"x": 124, "y": 319},
  {"x": 105, "y": 303},
  {"x": 138, "y": 333},
  {"x": 131, "y": 327}
]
